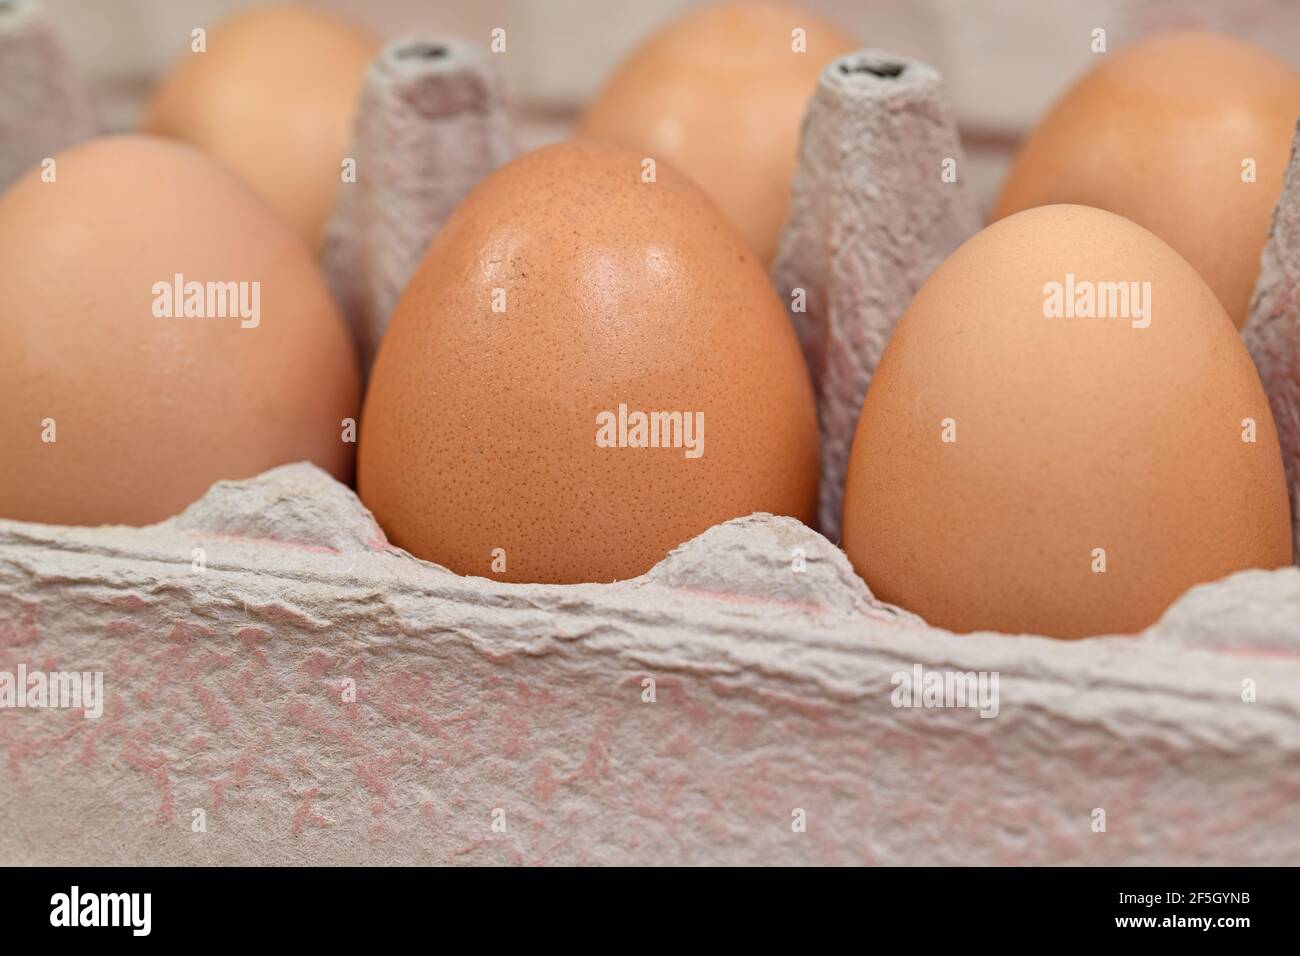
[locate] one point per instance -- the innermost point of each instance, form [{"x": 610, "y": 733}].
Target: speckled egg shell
[
  {"x": 479, "y": 435},
  {"x": 272, "y": 97},
  {"x": 1187, "y": 134},
  {"x": 1017, "y": 472},
  {"x": 146, "y": 412},
  {"x": 721, "y": 93}
]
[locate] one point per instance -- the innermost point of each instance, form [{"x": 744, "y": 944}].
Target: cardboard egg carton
[
  {"x": 280, "y": 685},
  {"x": 273, "y": 669}
]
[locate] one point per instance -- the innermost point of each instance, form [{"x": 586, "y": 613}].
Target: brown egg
[
  {"x": 1041, "y": 453},
  {"x": 720, "y": 93},
  {"x": 1187, "y": 134},
  {"x": 563, "y": 299},
  {"x": 114, "y": 410},
  {"x": 273, "y": 98}
]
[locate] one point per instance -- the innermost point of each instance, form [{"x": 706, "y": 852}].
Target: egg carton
[{"x": 281, "y": 685}]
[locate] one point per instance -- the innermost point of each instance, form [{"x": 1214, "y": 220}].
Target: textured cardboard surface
[
  {"x": 479, "y": 702},
  {"x": 430, "y": 124},
  {"x": 1272, "y": 331},
  {"x": 871, "y": 218},
  {"x": 43, "y": 108}
]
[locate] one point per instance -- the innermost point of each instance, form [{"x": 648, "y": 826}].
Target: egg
[
  {"x": 160, "y": 329},
  {"x": 272, "y": 96},
  {"x": 1187, "y": 134},
  {"x": 720, "y": 94},
  {"x": 1063, "y": 434},
  {"x": 588, "y": 368}
]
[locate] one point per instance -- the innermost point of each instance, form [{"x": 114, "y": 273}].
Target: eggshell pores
[
  {"x": 1169, "y": 133},
  {"x": 720, "y": 93},
  {"x": 1062, "y": 476},
  {"x": 563, "y": 286},
  {"x": 273, "y": 98},
  {"x": 110, "y": 413}
]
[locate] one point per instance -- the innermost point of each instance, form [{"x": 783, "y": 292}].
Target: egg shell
[
  {"x": 273, "y": 97},
  {"x": 146, "y": 412},
  {"x": 720, "y": 93},
  {"x": 1165, "y": 132},
  {"x": 1069, "y": 435},
  {"x": 480, "y": 427}
]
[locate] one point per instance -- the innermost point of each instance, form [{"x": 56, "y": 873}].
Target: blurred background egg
[
  {"x": 564, "y": 287},
  {"x": 273, "y": 98},
  {"x": 1069, "y": 476},
  {"x": 115, "y": 410},
  {"x": 720, "y": 94},
  {"x": 1187, "y": 134}
]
